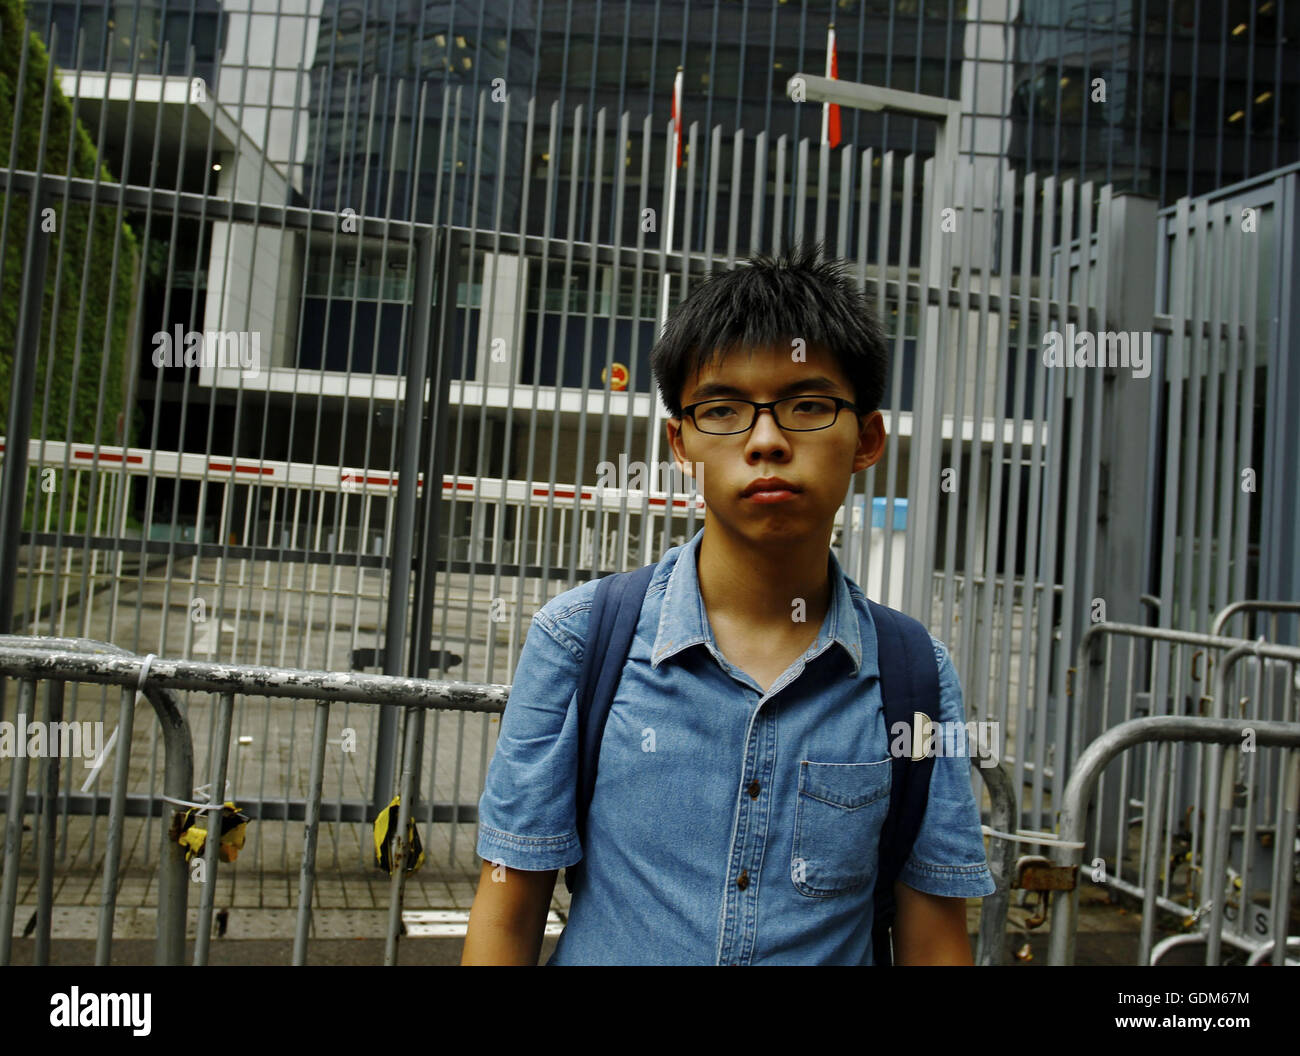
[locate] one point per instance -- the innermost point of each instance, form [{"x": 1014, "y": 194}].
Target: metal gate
[{"x": 397, "y": 434}]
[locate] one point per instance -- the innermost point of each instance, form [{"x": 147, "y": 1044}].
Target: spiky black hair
[{"x": 769, "y": 300}]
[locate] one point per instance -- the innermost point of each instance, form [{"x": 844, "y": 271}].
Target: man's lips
[
  {"x": 769, "y": 485},
  {"x": 770, "y": 490}
]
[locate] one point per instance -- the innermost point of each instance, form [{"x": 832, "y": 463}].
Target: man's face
[{"x": 818, "y": 463}]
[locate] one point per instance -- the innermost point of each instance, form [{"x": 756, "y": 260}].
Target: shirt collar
[{"x": 683, "y": 621}]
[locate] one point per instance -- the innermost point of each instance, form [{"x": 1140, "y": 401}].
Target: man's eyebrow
[{"x": 716, "y": 389}]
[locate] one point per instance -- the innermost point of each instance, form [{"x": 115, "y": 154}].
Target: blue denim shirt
[{"x": 727, "y": 825}]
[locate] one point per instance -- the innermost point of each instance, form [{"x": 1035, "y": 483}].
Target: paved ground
[
  {"x": 1106, "y": 938},
  {"x": 1108, "y": 933}
]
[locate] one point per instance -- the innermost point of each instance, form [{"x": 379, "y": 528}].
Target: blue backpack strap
[
  {"x": 615, "y": 610},
  {"x": 909, "y": 682}
]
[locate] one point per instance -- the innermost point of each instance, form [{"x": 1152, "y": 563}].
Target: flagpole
[
  {"x": 826, "y": 107},
  {"x": 658, "y": 415}
]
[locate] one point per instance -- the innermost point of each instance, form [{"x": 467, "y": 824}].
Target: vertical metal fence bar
[
  {"x": 121, "y": 482},
  {"x": 857, "y": 545},
  {"x": 1245, "y": 441},
  {"x": 957, "y": 448},
  {"x": 49, "y": 800},
  {"x": 1228, "y": 482},
  {"x": 219, "y": 752},
  {"x": 307, "y": 871},
  {"x": 662, "y": 284},
  {"x": 1188, "y": 606},
  {"x": 1039, "y": 594},
  {"x": 1178, "y": 354},
  {"x": 844, "y": 212},
  {"x": 173, "y": 875},
  {"x": 1096, "y": 410},
  {"x": 918, "y": 600},
  {"x": 501, "y": 509},
  {"x": 639, "y": 301},
  {"x": 976, "y": 630},
  {"x": 1053, "y": 659},
  {"x": 778, "y": 196},
  {"x": 551, "y": 545},
  {"x": 1085, "y": 391},
  {"x": 884, "y": 218},
  {"x": 1221, "y": 819},
  {"x": 623, "y": 559},
  {"x": 799, "y": 191},
  {"x": 568, "y": 541},
  {"x": 1250, "y": 764},
  {"x": 1151, "y": 839},
  {"x": 997, "y": 672},
  {"x": 824, "y": 191},
  {"x": 15, "y": 809},
  {"x": 711, "y": 200},
  {"x": 66, "y": 212},
  {"x": 116, "y": 821},
  {"x": 1209, "y": 602},
  {"x": 734, "y": 194},
  {"x": 98, "y": 495},
  {"x": 449, "y": 251},
  {"x": 517, "y": 343},
  {"x": 401, "y": 847},
  {"x": 1288, "y": 809}
]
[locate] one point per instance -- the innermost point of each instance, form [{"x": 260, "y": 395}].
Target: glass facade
[
  {"x": 1164, "y": 98},
  {"x": 121, "y": 33},
  {"x": 1169, "y": 98}
]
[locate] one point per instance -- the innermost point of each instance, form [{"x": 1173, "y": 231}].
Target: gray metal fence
[
  {"x": 134, "y": 788},
  {"x": 1221, "y": 886},
  {"x": 401, "y": 490}
]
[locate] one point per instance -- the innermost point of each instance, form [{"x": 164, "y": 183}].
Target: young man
[{"x": 744, "y": 772}]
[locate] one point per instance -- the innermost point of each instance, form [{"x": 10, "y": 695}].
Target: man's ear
[
  {"x": 677, "y": 444},
  {"x": 676, "y": 441},
  {"x": 871, "y": 440}
]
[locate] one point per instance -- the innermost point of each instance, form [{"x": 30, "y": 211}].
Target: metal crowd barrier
[
  {"x": 38, "y": 654},
  {"x": 60, "y": 661},
  {"x": 991, "y": 945},
  {"x": 1169, "y": 672},
  {"x": 1273, "y": 610},
  {"x": 1217, "y": 883}
]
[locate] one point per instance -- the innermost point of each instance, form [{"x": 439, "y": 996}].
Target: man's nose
[{"x": 765, "y": 430}]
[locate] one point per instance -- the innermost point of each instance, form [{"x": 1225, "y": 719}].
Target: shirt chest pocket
[{"x": 838, "y": 818}]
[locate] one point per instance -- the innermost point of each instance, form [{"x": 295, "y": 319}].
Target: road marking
[{"x": 451, "y": 923}]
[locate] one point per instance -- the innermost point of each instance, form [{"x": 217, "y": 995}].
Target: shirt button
[
  {"x": 753, "y": 789},
  {"x": 742, "y": 881}
]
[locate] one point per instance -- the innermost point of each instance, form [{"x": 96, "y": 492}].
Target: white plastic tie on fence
[
  {"x": 144, "y": 670},
  {"x": 190, "y": 804},
  {"x": 202, "y": 790},
  {"x": 1030, "y": 836},
  {"x": 99, "y": 761}
]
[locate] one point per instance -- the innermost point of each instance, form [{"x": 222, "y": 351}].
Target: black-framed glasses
[{"x": 800, "y": 414}]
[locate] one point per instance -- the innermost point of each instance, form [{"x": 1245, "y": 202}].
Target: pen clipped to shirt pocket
[{"x": 838, "y": 819}]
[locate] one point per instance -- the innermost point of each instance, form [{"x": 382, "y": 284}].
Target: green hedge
[{"x": 108, "y": 306}]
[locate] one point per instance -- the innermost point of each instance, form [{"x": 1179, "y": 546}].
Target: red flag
[
  {"x": 677, "y": 116},
  {"x": 831, "y": 111}
]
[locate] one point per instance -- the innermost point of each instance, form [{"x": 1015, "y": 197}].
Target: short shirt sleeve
[
  {"x": 948, "y": 857},
  {"x": 526, "y": 812}
]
